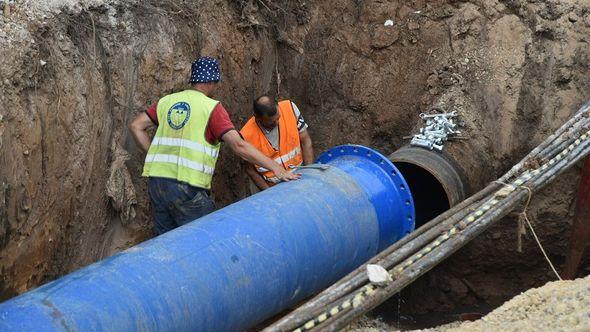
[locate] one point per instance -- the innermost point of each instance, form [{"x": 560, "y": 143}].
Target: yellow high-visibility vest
[{"x": 179, "y": 149}]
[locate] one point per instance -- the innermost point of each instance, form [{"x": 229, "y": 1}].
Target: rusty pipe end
[{"x": 436, "y": 180}]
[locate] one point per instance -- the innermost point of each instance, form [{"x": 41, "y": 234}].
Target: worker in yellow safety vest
[
  {"x": 182, "y": 155},
  {"x": 279, "y": 131}
]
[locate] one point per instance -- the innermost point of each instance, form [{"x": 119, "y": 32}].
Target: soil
[
  {"x": 73, "y": 73},
  {"x": 556, "y": 306}
]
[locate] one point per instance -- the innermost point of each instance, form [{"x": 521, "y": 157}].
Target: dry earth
[{"x": 557, "y": 306}]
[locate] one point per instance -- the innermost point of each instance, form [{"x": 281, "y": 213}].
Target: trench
[{"x": 340, "y": 74}]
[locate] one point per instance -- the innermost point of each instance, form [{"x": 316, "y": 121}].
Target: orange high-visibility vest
[{"x": 289, "y": 154}]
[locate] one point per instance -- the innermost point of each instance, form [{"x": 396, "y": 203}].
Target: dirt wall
[{"x": 71, "y": 192}]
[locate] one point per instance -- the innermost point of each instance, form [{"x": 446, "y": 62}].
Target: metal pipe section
[
  {"x": 435, "y": 179},
  {"x": 460, "y": 225},
  {"x": 430, "y": 175},
  {"x": 240, "y": 265},
  {"x": 443, "y": 168}
]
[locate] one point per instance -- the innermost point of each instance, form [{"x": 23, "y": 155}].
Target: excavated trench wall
[{"x": 72, "y": 77}]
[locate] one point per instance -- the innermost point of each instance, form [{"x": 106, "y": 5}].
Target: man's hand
[
  {"x": 285, "y": 176},
  {"x": 250, "y": 154}
]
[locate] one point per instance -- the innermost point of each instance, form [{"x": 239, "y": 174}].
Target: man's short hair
[{"x": 265, "y": 106}]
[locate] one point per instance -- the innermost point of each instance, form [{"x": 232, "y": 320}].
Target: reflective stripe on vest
[
  {"x": 179, "y": 149},
  {"x": 179, "y": 142},
  {"x": 289, "y": 153},
  {"x": 167, "y": 158},
  {"x": 284, "y": 158}
]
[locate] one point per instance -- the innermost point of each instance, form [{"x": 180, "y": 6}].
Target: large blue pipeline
[{"x": 237, "y": 267}]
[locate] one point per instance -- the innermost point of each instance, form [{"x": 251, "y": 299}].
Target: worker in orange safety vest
[{"x": 279, "y": 131}]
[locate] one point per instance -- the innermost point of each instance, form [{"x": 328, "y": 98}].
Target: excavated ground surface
[
  {"x": 74, "y": 72},
  {"x": 557, "y": 306}
]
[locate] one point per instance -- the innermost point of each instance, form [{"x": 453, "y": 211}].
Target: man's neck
[
  {"x": 263, "y": 127},
  {"x": 201, "y": 90}
]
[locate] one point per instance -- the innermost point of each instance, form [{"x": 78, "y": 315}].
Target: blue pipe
[{"x": 238, "y": 266}]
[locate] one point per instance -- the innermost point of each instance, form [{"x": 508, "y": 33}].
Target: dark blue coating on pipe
[{"x": 237, "y": 266}]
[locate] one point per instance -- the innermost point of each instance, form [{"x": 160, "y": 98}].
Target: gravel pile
[{"x": 557, "y": 306}]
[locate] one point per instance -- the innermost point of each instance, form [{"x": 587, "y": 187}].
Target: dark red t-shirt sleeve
[
  {"x": 219, "y": 124},
  {"x": 152, "y": 113}
]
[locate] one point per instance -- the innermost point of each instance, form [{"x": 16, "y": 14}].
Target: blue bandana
[{"x": 204, "y": 70}]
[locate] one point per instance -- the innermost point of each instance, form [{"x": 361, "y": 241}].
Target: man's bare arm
[
  {"x": 250, "y": 154},
  {"x": 138, "y": 128},
  {"x": 306, "y": 147}
]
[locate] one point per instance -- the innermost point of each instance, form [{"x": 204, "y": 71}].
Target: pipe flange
[{"x": 397, "y": 180}]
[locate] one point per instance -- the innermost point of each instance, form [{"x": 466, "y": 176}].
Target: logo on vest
[{"x": 178, "y": 115}]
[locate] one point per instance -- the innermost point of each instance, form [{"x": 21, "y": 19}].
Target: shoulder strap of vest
[
  {"x": 286, "y": 105},
  {"x": 287, "y": 111},
  {"x": 249, "y": 129}
]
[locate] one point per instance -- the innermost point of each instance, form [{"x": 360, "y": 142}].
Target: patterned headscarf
[{"x": 204, "y": 70}]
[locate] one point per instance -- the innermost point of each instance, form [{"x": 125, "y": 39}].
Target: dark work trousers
[{"x": 177, "y": 203}]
